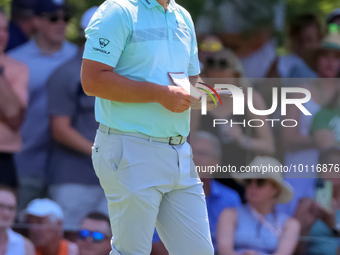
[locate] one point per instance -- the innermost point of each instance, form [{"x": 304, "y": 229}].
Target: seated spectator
[
  {"x": 305, "y": 34},
  {"x": 95, "y": 235},
  {"x": 302, "y": 142},
  {"x": 257, "y": 227},
  {"x": 72, "y": 181},
  {"x": 207, "y": 46},
  {"x": 46, "y": 228},
  {"x": 300, "y": 146},
  {"x": 320, "y": 217},
  {"x": 13, "y": 102},
  {"x": 45, "y": 52},
  {"x": 239, "y": 141},
  {"x": 22, "y": 25},
  {"x": 11, "y": 243}
]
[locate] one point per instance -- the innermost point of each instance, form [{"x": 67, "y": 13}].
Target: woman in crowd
[
  {"x": 239, "y": 141},
  {"x": 257, "y": 228},
  {"x": 326, "y": 123},
  {"x": 11, "y": 243},
  {"x": 299, "y": 144}
]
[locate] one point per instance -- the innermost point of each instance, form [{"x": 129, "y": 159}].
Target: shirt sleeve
[
  {"x": 194, "y": 64},
  {"x": 107, "y": 34}
]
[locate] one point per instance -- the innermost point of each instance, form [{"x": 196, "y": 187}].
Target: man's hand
[
  {"x": 176, "y": 99},
  {"x": 307, "y": 212}
]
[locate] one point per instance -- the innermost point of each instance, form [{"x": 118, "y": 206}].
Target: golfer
[{"x": 140, "y": 153}]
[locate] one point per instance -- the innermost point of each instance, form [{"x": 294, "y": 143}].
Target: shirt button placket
[{"x": 170, "y": 36}]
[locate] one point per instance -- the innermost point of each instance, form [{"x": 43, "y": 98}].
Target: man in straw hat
[{"x": 257, "y": 227}]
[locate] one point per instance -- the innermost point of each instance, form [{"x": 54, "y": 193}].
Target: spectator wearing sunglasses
[
  {"x": 45, "y": 218},
  {"x": 42, "y": 54},
  {"x": 95, "y": 235},
  {"x": 72, "y": 182},
  {"x": 302, "y": 143},
  {"x": 11, "y": 243},
  {"x": 257, "y": 227}
]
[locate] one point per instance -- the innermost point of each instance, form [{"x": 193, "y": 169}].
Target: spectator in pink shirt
[{"x": 13, "y": 100}]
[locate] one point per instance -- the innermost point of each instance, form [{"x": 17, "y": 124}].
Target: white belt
[{"x": 173, "y": 140}]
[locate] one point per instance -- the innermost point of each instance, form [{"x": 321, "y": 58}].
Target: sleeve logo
[{"x": 103, "y": 42}]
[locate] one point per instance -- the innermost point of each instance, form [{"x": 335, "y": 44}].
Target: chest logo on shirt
[
  {"x": 181, "y": 25},
  {"x": 103, "y": 42}
]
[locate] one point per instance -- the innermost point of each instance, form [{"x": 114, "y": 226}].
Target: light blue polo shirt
[{"x": 143, "y": 43}]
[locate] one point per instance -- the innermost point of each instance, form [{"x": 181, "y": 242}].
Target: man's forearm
[
  {"x": 71, "y": 138},
  {"x": 193, "y": 80},
  {"x": 109, "y": 85}
]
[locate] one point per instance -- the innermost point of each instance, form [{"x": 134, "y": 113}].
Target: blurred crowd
[{"x": 51, "y": 202}]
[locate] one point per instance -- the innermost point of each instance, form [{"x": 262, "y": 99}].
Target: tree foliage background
[{"x": 293, "y": 8}]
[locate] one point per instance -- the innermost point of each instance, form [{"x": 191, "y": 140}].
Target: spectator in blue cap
[
  {"x": 50, "y": 7},
  {"x": 72, "y": 181},
  {"x": 42, "y": 54},
  {"x": 22, "y": 26}
]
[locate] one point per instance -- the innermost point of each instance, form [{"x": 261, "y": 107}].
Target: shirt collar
[{"x": 152, "y": 3}]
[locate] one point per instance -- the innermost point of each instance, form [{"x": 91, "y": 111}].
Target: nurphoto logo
[{"x": 239, "y": 104}]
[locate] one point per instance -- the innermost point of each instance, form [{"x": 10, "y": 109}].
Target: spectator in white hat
[
  {"x": 257, "y": 227},
  {"x": 11, "y": 243},
  {"x": 46, "y": 230}
]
